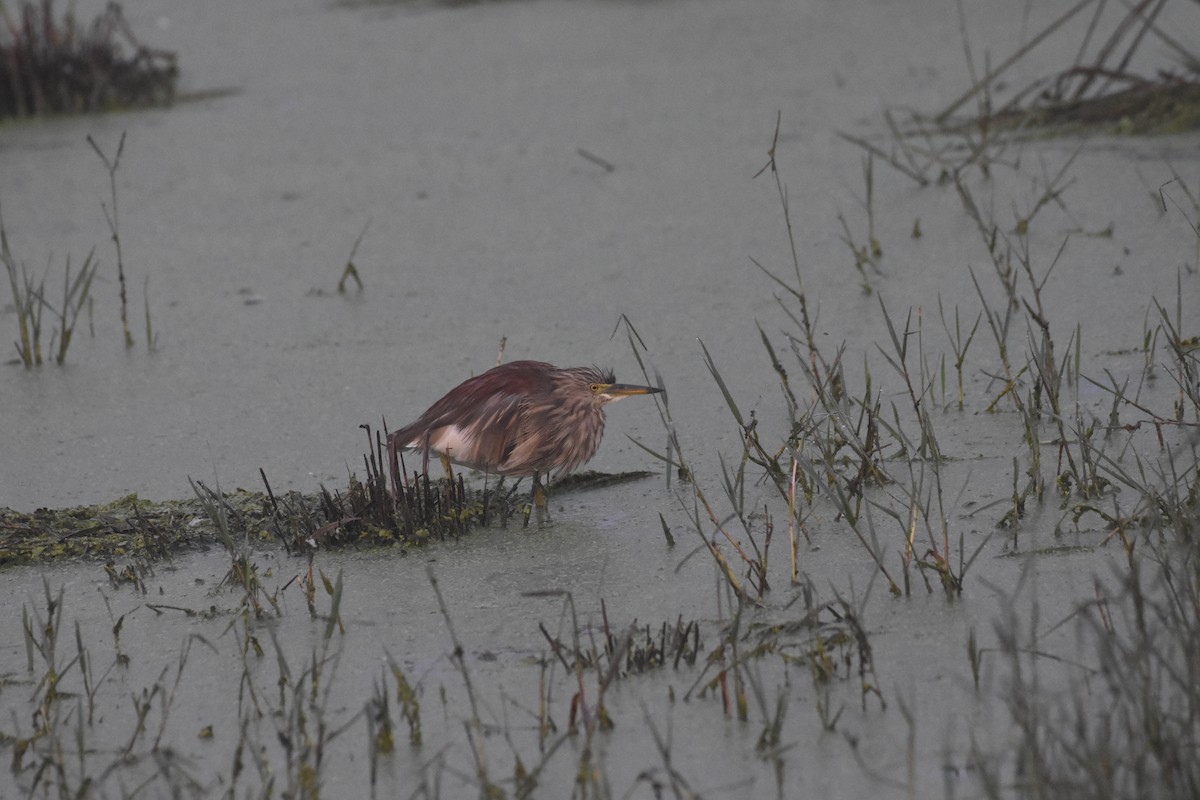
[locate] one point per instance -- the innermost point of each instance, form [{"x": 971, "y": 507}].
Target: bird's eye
[{"x": 596, "y": 387}]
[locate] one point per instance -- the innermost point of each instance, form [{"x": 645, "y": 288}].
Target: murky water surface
[{"x": 532, "y": 171}]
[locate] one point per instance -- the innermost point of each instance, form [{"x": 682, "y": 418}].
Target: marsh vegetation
[{"x": 889, "y": 519}]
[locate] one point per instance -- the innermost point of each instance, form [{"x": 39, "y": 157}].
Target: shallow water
[{"x": 457, "y": 133}]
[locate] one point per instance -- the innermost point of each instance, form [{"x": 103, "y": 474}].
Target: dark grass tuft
[{"x": 52, "y": 65}]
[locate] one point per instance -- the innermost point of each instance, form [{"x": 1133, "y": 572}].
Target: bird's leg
[
  {"x": 539, "y": 494},
  {"x": 452, "y": 487},
  {"x": 541, "y": 499},
  {"x": 537, "y": 501},
  {"x": 528, "y": 509}
]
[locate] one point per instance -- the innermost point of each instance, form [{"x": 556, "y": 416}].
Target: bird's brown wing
[{"x": 487, "y": 410}]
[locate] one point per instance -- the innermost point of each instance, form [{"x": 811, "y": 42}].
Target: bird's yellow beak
[{"x": 619, "y": 390}]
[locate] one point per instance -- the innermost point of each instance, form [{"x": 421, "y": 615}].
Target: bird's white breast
[{"x": 451, "y": 441}]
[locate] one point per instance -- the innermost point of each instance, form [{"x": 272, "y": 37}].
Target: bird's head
[{"x": 603, "y": 387}]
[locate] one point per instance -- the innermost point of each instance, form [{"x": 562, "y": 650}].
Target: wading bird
[{"x": 521, "y": 418}]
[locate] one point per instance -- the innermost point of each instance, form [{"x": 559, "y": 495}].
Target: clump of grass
[
  {"x": 474, "y": 727},
  {"x": 243, "y": 572},
  {"x": 635, "y": 649},
  {"x": 30, "y": 301},
  {"x": 608, "y": 655},
  {"x": 50, "y": 65},
  {"x": 75, "y": 296},
  {"x": 826, "y": 638},
  {"x": 839, "y": 447},
  {"x": 1098, "y": 92},
  {"x": 42, "y": 759},
  {"x": 1100, "y": 88},
  {"x": 698, "y": 507},
  {"x": 304, "y": 723},
  {"x": 26, "y": 294},
  {"x": 61, "y": 754},
  {"x": 868, "y": 254},
  {"x": 383, "y": 508},
  {"x": 29, "y": 292},
  {"x": 1127, "y": 727},
  {"x": 364, "y": 513},
  {"x": 959, "y": 345}
]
